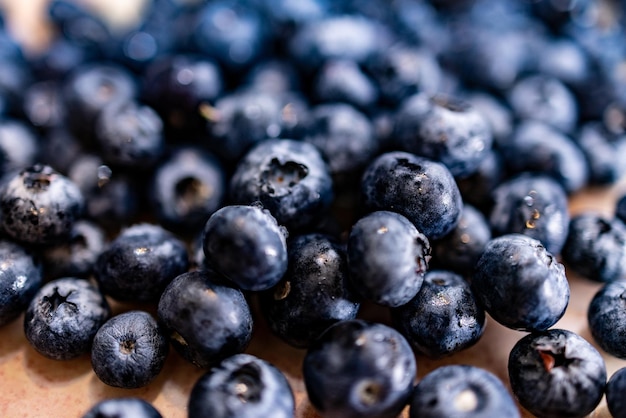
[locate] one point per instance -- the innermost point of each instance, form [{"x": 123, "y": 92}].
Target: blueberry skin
[
  {"x": 129, "y": 350},
  {"x": 520, "y": 284},
  {"x": 207, "y": 319},
  {"x": 39, "y": 206},
  {"x": 620, "y": 208},
  {"x": 130, "y": 135},
  {"x": 443, "y": 318},
  {"x": 538, "y": 148},
  {"x": 443, "y": 129},
  {"x": 123, "y": 408},
  {"x": 290, "y": 179},
  {"x": 140, "y": 262},
  {"x": 246, "y": 245},
  {"x": 535, "y": 206},
  {"x": 19, "y": 146},
  {"x": 477, "y": 189},
  {"x": 313, "y": 294},
  {"x": 242, "y": 386},
  {"x": 77, "y": 256},
  {"x": 387, "y": 258},
  {"x": 602, "y": 149},
  {"x": 359, "y": 369},
  {"x": 344, "y": 81},
  {"x": 556, "y": 373},
  {"x": 20, "y": 279},
  {"x": 615, "y": 388},
  {"x": 461, "y": 391},
  {"x": 63, "y": 318},
  {"x": 187, "y": 188},
  {"x": 596, "y": 247},
  {"x": 462, "y": 247},
  {"x": 607, "y": 318},
  {"x": 422, "y": 190}
]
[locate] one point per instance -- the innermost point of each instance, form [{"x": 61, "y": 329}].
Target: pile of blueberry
[{"x": 290, "y": 161}]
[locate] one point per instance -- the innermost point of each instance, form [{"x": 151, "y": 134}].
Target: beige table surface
[{"x": 34, "y": 386}]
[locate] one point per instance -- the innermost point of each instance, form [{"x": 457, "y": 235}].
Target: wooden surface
[{"x": 33, "y": 386}]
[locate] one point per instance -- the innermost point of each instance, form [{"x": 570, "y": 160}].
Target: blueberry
[
  {"x": 64, "y": 316},
  {"x": 43, "y": 105},
  {"x": 19, "y": 145},
  {"x": 140, "y": 262},
  {"x": 242, "y": 386},
  {"x": 496, "y": 113},
  {"x": 313, "y": 294},
  {"x": 344, "y": 81},
  {"x": 75, "y": 257},
  {"x": 422, "y": 190},
  {"x": 122, "y": 408},
  {"x": 462, "y": 247},
  {"x": 359, "y": 369},
  {"x": 289, "y": 178},
  {"x": 444, "y": 129},
  {"x": 246, "y": 245},
  {"x": 532, "y": 205},
  {"x": 602, "y": 149},
  {"x": 462, "y": 391},
  {"x": 59, "y": 149},
  {"x": 206, "y": 319},
  {"x": 387, "y": 258},
  {"x": 20, "y": 279},
  {"x": 344, "y": 136},
  {"x": 596, "y": 247},
  {"x": 60, "y": 58},
  {"x": 129, "y": 135},
  {"x": 443, "y": 318},
  {"x": 187, "y": 188},
  {"x": 129, "y": 350},
  {"x": 520, "y": 284},
  {"x": 615, "y": 387},
  {"x": 538, "y": 148},
  {"x": 556, "y": 373},
  {"x": 607, "y": 318},
  {"x": 38, "y": 205},
  {"x": 477, "y": 189}
]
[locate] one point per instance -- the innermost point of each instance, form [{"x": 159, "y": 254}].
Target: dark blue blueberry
[
  {"x": 477, "y": 189},
  {"x": 76, "y": 256},
  {"x": 443, "y": 318},
  {"x": 59, "y": 149},
  {"x": 555, "y": 14},
  {"x": 20, "y": 279},
  {"x": 344, "y": 81},
  {"x": 232, "y": 32},
  {"x": 462, "y": 247},
  {"x": 179, "y": 87},
  {"x": 402, "y": 71},
  {"x": 206, "y": 319},
  {"x": 351, "y": 37},
  {"x": 462, "y": 391},
  {"x": 535, "y": 206},
  {"x": 387, "y": 258},
  {"x": 564, "y": 59},
  {"x": 187, "y": 188},
  {"x": 140, "y": 262},
  {"x": 122, "y": 408},
  {"x": 596, "y": 247},
  {"x": 289, "y": 178},
  {"x": 43, "y": 105},
  {"x": 421, "y": 189},
  {"x": 443, "y": 129},
  {"x": 60, "y": 58},
  {"x": 602, "y": 150},
  {"x": 276, "y": 76},
  {"x": 615, "y": 388},
  {"x": 421, "y": 24},
  {"x": 557, "y": 373},
  {"x": 129, "y": 350},
  {"x": 64, "y": 316},
  {"x": 520, "y": 284},
  {"x": 19, "y": 146},
  {"x": 497, "y": 114},
  {"x": 39, "y": 205},
  {"x": 242, "y": 386},
  {"x": 359, "y": 369},
  {"x": 313, "y": 294},
  {"x": 344, "y": 136},
  {"x": 607, "y": 318},
  {"x": 246, "y": 245},
  {"x": 89, "y": 89},
  {"x": 544, "y": 99},
  {"x": 130, "y": 135},
  {"x": 111, "y": 198},
  {"x": 539, "y": 148}
]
